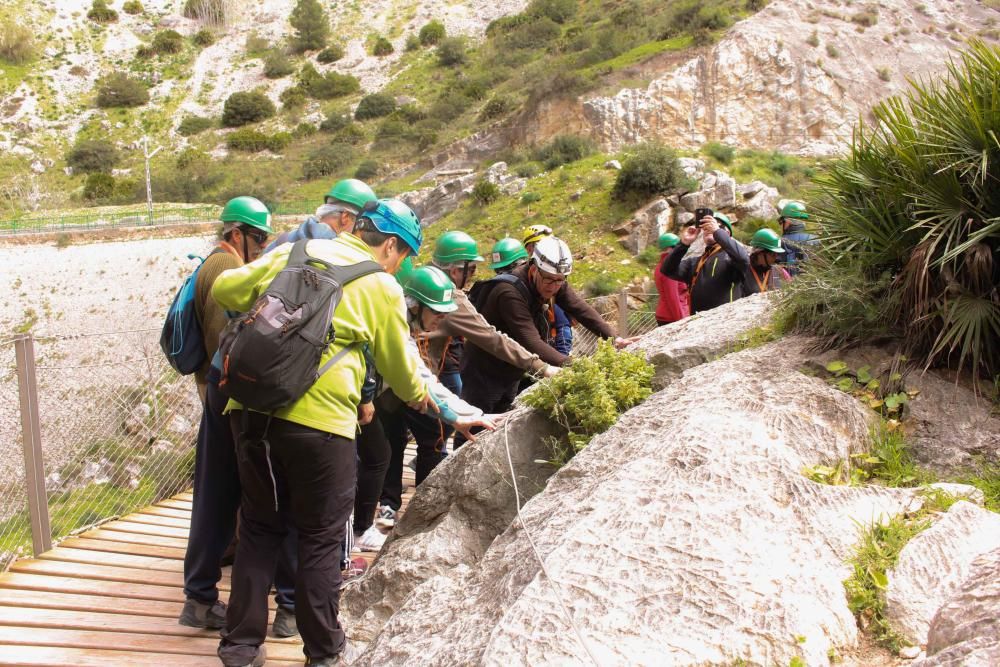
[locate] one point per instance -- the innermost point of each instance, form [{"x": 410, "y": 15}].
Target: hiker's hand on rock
[
  {"x": 625, "y": 342},
  {"x": 366, "y": 412},
  {"x": 464, "y": 425},
  {"x": 426, "y": 405},
  {"x": 708, "y": 224},
  {"x": 689, "y": 234}
]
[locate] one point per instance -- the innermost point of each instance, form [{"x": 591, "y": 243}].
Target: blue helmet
[{"x": 391, "y": 216}]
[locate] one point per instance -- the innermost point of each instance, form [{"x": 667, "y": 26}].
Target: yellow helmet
[{"x": 535, "y": 233}]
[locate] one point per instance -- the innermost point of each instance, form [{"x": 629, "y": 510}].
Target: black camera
[{"x": 700, "y": 213}]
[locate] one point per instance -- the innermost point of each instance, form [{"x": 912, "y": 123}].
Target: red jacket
[{"x": 673, "y": 304}]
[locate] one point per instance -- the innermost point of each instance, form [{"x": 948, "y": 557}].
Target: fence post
[
  {"x": 34, "y": 464},
  {"x": 623, "y": 312}
]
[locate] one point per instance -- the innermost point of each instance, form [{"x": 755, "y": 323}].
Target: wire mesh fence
[
  {"x": 15, "y": 528},
  {"x": 117, "y": 427},
  {"x": 639, "y": 318}
]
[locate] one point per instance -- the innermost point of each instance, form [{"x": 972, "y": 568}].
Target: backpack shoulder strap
[
  {"x": 511, "y": 279},
  {"x": 359, "y": 270}
]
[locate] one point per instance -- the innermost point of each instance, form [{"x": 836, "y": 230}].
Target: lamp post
[{"x": 149, "y": 188}]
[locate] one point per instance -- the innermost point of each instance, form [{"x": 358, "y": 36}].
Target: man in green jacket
[{"x": 298, "y": 465}]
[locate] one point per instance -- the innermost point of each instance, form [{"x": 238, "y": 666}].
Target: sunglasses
[{"x": 259, "y": 237}]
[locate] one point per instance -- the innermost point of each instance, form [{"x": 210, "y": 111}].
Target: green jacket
[{"x": 371, "y": 311}]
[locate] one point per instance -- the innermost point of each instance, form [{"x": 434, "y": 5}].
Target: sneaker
[
  {"x": 203, "y": 615},
  {"x": 371, "y": 540},
  {"x": 357, "y": 567},
  {"x": 237, "y": 655},
  {"x": 329, "y": 661},
  {"x": 385, "y": 517},
  {"x": 284, "y": 624}
]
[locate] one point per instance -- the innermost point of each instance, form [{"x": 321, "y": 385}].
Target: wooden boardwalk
[{"x": 111, "y": 597}]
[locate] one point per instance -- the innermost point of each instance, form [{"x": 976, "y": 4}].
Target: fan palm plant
[{"x": 918, "y": 199}]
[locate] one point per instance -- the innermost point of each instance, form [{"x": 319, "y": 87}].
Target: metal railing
[
  {"x": 91, "y": 432},
  {"x": 630, "y": 313}
]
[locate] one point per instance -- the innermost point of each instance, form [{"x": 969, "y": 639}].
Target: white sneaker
[
  {"x": 371, "y": 540},
  {"x": 385, "y": 517}
]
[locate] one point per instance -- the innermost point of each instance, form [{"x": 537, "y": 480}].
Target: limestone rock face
[
  {"x": 934, "y": 565},
  {"x": 433, "y": 203},
  {"x": 718, "y": 192},
  {"x": 966, "y": 630},
  {"x": 645, "y": 227},
  {"x": 684, "y": 535}
]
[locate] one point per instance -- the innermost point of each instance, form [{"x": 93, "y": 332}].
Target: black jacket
[{"x": 721, "y": 278}]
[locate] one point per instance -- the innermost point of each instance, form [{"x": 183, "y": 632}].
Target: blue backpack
[{"x": 181, "y": 339}]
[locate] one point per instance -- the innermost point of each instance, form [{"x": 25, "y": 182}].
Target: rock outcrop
[
  {"x": 433, "y": 203},
  {"x": 935, "y": 564}
]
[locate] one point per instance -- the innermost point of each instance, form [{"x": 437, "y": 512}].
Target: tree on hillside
[{"x": 312, "y": 28}]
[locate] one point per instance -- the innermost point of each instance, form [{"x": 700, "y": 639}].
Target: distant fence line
[{"x": 55, "y": 222}]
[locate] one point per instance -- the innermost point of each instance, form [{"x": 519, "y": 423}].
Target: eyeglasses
[
  {"x": 259, "y": 237},
  {"x": 549, "y": 282}
]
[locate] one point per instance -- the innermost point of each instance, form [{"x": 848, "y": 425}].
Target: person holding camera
[{"x": 716, "y": 277}]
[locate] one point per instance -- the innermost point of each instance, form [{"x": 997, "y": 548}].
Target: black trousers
[
  {"x": 374, "y": 455},
  {"x": 390, "y": 411},
  {"x": 292, "y": 475},
  {"x": 487, "y": 392},
  {"x": 216, "y": 501}
]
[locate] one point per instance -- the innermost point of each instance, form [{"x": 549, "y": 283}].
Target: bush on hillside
[
  {"x": 99, "y": 187},
  {"x": 17, "y": 43},
  {"x": 165, "y": 41},
  {"x": 911, "y": 211},
  {"x": 192, "y": 125},
  {"x": 132, "y": 7},
  {"x": 720, "y": 152},
  {"x": 431, "y": 33},
  {"x": 335, "y": 121},
  {"x": 351, "y": 134},
  {"x": 330, "y": 54},
  {"x": 101, "y": 13},
  {"x": 497, "y": 107},
  {"x": 203, "y": 37},
  {"x": 93, "y": 155},
  {"x": 292, "y": 98},
  {"x": 256, "y": 45},
  {"x": 121, "y": 90},
  {"x": 448, "y": 108},
  {"x": 531, "y": 35},
  {"x": 375, "y": 105},
  {"x": 244, "y": 108},
  {"x": 558, "y": 11},
  {"x": 277, "y": 64},
  {"x": 312, "y": 27},
  {"x": 485, "y": 193},
  {"x": 367, "y": 170},
  {"x": 651, "y": 170},
  {"x": 563, "y": 149},
  {"x": 451, "y": 52},
  {"x": 382, "y": 47},
  {"x": 326, "y": 86},
  {"x": 253, "y": 141},
  {"x": 327, "y": 161}
]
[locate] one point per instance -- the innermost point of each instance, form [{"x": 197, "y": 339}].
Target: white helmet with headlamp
[{"x": 552, "y": 255}]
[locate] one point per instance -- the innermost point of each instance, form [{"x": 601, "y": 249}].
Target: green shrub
[
  {"x": 252, "y": 141},
  {"x": 367, "y": 170},
  {"x": 99, "y": 187},
  {"x": 330, "y": 54},
  {"x": 277, "y": 64},
  {"x": 132, "y": 7},
  {"x": 167, "y": 41},
  {"x": 334, "y": 122},
  {"x": 244, "y": 108},
  {"x": 192, "y": 125},
  {"x": 530, "y": 35},
  {"x": 411, "y": 113},
  {"x": 382, "y": 47},
  {"x": 451, "y": 52},
  {"x": 720, "y": 152},
  {"x": 203, "y": 37},
  {"x": 412, "y": 43},
  {"x": 485, "y": 193},
  {"x": 498, "y": 106},
  {"x": 328, "y": 86},
  {"x": 558, "y": 11},
  {"x": 293, "y": 97},
  {"x": 311, "y": 24},
  {"x": 589, "y": 396},
  {"x": 602, "y": 285},
  {"x": 93, "y": 155},
  {"x": 866, "y": 18},
  {"x": 17, "y": 43},
  {"x": 120, "y": 90},
  {"x": 448, "y": 108},
  {"x": 563, "y": 149},
  {"x": 528, "y": 170},
  {"x": 304, "y": 130},
  {"x": 651, "y": 170},
  {"x": 431, "y": 33},
  {"x": 351, "y": 134},
  {"x": 375, "y": 105},
  {"x": 256, "y": 44},
  {"x": 528, "y": 198},
  {"x": 628, "y": 15},
  {"x": 101, "y": 13},
  {"x": 327, "y": 161}
]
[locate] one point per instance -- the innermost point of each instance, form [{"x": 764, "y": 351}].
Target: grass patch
[
  {"x": 986, "y": 478},
  {"x": 640, "y": 53}
]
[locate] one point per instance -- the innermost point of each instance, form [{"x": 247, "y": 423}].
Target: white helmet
[{"x": 552, "y": 255}]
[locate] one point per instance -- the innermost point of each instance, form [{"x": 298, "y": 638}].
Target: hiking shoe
[
  {"x": 329, "y": 661},
  {"x": 202, "y": 615},
  {"x": 386, "y": 517},
  {"x": 284, "y": 623},
  {"x": 241, "y": 655},
  {"x": 371, "y": 540}
]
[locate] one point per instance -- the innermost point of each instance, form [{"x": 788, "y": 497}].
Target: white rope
[{"x": 538, "y": 555}]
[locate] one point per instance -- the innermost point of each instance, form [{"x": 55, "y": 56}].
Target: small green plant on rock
[
  {"x": 589, "y": 395},
  {"x": 885, "y": 395}
]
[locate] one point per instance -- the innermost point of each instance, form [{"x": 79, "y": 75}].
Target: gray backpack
[{"x": 270, "y": 356}]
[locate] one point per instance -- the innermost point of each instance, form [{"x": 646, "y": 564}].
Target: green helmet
[
  {"x": 456, "y": 247},
  {"x": 766, "y": 239},
  {"x": 247, "y": 211},
  {"x": 430, "y": 286},
  {"x": 351, "y": 191},
  {"x": 404, "y": 271},
  {"x": 724, "y": 221},
  {"x": 668, "y": 241},
  {"x": 794, "y": 209},
  {"x": 506, "y": 252}
]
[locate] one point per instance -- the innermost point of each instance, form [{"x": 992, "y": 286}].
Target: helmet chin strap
[{"x": 246, "y": 253}]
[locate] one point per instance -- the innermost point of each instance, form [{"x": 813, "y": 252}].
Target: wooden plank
[
  {"x": 119, "y": 536},
  {"x": 42, "y": 582},
  {"x": 154, "y": 520},
  {"x": 123, "y": 548},
  {"x": 176, "y": 504},
  {"x": 146, "y": 529},
  {"x": 103, "y": 558},
  {"x": 156, "y": 510},
  {"x": 129, "y": 575},
  {"x": 14, "y": 597},
  {"x": 49, "y": 656},
  {"x": 134, "y": 641},
  {"x": 185, "y": 495}
]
